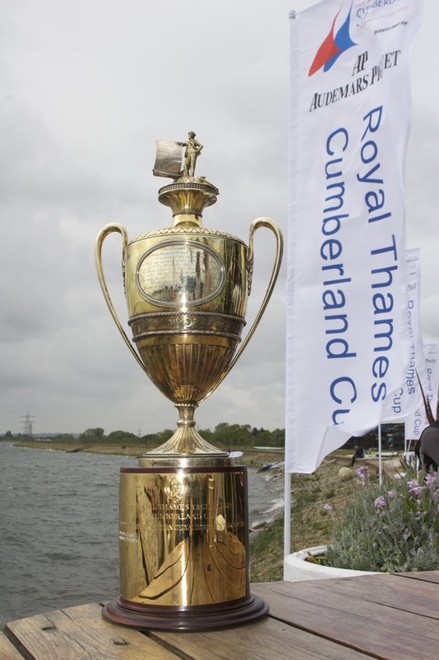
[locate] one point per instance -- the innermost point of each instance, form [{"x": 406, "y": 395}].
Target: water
[{"x": 59, "y": 527}]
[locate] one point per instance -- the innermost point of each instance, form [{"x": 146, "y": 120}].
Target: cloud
[{"x": 87, "y": 88}]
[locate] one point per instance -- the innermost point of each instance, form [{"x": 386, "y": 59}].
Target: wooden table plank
[
  {"x": 263, "y": 640},
  {"x": 381, "y": 616},
  {"x": 368, "y": 627},
  {"x": 81, "y": 632},
  {"x": 391, "y": 591},
  {"x": 424, "y": 576},
  {"x": 8, "y": 650}
]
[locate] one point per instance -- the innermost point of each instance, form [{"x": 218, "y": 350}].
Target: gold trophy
[{"x": 184, "y": 550}]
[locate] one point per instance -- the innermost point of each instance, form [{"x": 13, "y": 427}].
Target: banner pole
[
  {"x": 380, "y": 455},
  {"x": 287, "y": 514}
]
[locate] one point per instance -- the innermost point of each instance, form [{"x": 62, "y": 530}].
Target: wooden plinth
[{"x": 185, "y": 619}]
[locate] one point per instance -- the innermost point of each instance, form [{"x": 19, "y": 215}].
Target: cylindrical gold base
[{"x": 184, "y": 555}]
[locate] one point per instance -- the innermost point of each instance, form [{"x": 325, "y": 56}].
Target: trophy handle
[
  {"x": 256, "y": 224},
  {"x": 109, "y": 229}
]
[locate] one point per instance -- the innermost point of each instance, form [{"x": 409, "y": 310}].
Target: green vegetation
[
  {"x": 224, "y": 436},
  {"x": 243, "y": 436},
  {"x": 236, "y": 436},
  {"x": 391, "y": 527}
]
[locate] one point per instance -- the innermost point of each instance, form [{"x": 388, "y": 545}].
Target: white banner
[
  {"x": 416, "y": 422},
  {"x": 407, "y": 398},
  {"x": 347, "y": 341}
]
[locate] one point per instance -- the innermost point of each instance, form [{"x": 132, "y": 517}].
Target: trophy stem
[{"x": 186, "y": 439}]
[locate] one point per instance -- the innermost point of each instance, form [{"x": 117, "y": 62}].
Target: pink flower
[
  {"x": 363, "y": 473},
  {"x": 414, "y": 488},
  {"x": 430, "y": 479},
  {"x": 380, "y": 503}
]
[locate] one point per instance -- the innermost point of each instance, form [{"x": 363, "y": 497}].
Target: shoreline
[{"x": 252, "y": 458}]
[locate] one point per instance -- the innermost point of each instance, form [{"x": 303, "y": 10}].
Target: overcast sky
[{"x": 87, "y": 86}]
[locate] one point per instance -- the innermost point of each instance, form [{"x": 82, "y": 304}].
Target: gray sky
[{"x": 86, "y": 89}]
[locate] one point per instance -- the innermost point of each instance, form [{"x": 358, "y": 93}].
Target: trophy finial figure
[
  {"x": 169, "y": 157},
  {"x": 188, "y": 195},
  {"x": 193, "y": 150}
]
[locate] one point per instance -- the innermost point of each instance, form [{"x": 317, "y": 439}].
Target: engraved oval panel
[{"x": 177, "y": 273}]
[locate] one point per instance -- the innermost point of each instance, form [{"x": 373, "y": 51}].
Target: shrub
[{"x": 389, "y": 527}]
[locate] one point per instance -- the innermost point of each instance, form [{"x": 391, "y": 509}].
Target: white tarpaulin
[{"x": 347, "y": 340}]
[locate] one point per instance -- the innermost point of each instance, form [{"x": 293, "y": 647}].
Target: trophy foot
[
  {"x": 194, "y": 618},
  {"x": 186, "y": 440}
]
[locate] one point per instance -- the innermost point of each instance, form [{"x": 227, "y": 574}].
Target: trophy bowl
[{"x": 184, "y": 559}]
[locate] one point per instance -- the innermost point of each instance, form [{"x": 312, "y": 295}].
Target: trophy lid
[{"x": 188, "y": 195}]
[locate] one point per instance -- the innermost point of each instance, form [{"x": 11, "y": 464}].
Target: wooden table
[{"x": 379, "y": 616}]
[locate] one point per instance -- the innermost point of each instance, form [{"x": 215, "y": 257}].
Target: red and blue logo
[{"x": 334, "y": 45}]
